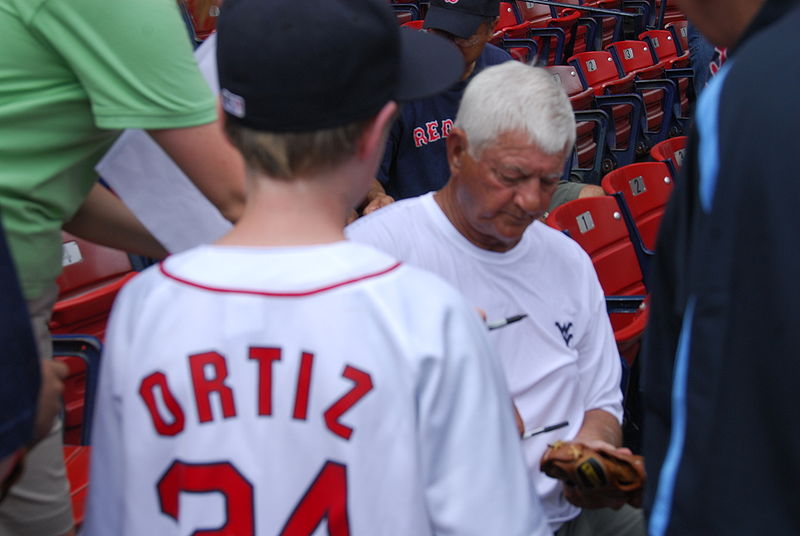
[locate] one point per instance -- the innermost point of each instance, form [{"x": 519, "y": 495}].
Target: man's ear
[
  {"x": 457, "y": 146},
  {"x": 374, "y": 136}
]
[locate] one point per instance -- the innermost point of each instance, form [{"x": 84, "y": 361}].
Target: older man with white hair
[{"x": 481, "y": 232}]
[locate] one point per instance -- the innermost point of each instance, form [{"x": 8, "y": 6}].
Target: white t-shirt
[
  {"x": 307, "y": 390},
  {"x": 561, "y": 360}
]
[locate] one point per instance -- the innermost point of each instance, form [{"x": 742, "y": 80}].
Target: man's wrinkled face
[{"x": 503, "y": 190}]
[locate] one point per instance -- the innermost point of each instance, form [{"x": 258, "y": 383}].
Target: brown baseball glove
[{"x": 599, "y": 477}]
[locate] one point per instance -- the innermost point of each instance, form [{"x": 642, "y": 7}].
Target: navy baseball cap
[
  {"x": 460, "y": 17},
  {"x": 304, "y": 65}
]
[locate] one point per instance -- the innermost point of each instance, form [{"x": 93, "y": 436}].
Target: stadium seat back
[
  {"x": 598, "y": 70},
  {"x": 596, "y": 67},
  {"x": 680, "y": 31},
  {"x": 672, "y": 152},
  {"x": 76, "y": 461},
  {"x": 582, "y": 99},
  {"x": 669, "y": 12},
  {"x": 636, "y": 57},
  {"x": 567, "y": 77},
  {"x": 507, "y": 16},
  {"x": 81, "y": 354},
  {"x": 598, "y": 226},
  {"x": 538, "y": 14},
  {"x": 645, "y": 188},
  {"x": 204, "y": 24},
  {"x": 596, "y": 223},
  {"x": 662, "y": 43},
  {"x": 91, "y": 278}
]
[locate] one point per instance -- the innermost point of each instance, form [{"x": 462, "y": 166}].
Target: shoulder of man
[
  {"x": 493, "y": 55},
  {"x": 389, "y": 221}
]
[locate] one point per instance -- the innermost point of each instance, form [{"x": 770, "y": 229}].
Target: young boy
[{"x": 283, "y": 380}]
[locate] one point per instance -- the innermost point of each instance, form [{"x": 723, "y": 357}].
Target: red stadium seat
[
  {"x": 81, "y": 354},
  {"x": 680, "y": 31},
  {"x": 669, "y": 12},
  {"x": 617, "y": 96},
  {"x": 645, "y": 188},
  {"x": 205, "y": 24},
  {"x": 91, "y": 278},
  {"x": 666, "y": 49},
  {"x": 76, "y": 460},
  {"x": 591, "y": 126},
  {"x": 531, "y": 22},
  {"x": 635, "y": 57},
  {"x": 580, "y": 31},
  {"x": 672, "y": 152},
  {"x": 609, "y": 27},
  {"x": 597, "y": 224},
  {"x": 510, "y": 31},
  {"x": 76, "y": 456}
]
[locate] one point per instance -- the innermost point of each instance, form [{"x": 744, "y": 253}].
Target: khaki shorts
[
  {"x": 627, "y": 521},
  {"x": 39, "y": 503}
]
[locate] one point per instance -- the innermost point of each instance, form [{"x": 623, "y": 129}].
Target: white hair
[{"x": 513, "y": 96}]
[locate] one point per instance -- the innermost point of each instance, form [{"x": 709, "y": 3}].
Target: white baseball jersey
[
  {"x": 298, "y": 391},
  {"x": 561, "y": 360}
]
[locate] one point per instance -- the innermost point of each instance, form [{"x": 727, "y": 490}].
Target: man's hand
[
  {"x": 53, "y": 375},
  {"x": 378, "y": 201},
  {"x": 376, "y": 198},
  {"x": 596, "y": 474},
  {"x": 578, "y": 497}
]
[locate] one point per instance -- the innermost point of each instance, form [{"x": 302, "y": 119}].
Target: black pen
[
  {"x": 543, "y": 429},
  {"x": 504, "y": 322}
]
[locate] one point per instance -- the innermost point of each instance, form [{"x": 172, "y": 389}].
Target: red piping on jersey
[{"x": 278, "y": 294}]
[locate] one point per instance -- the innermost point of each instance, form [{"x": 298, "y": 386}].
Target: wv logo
[{"x": 565, "y": 331}]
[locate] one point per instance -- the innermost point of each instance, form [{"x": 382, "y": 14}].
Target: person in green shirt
[{"x": 73, "y": 75}]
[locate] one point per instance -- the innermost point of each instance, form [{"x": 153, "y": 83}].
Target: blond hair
[{"x": 290, "y": 154}]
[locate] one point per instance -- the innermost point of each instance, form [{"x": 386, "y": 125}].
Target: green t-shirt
[{"x": 72, "y": 75}]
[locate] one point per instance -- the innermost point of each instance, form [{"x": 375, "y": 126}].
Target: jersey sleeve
[
  {"x": 105, "y": 510},
  {"x": 475, "y": 476},
  {"x": 599, "y": 364},
  {"x": 133, "y": 59}
]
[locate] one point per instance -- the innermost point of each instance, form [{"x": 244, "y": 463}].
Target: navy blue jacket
[
  {"x": 721, "y": 360},
  {"x": 415, "y": 161},
  {"x": 19, "y": 361}
]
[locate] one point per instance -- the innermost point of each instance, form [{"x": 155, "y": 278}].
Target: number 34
[{"x": 326, "y": 498}]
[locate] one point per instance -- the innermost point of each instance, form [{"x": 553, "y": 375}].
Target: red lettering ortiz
[
  {"x": 215, "y": 395},
  {"x": 204, "y": 385},
  {"x": 433, "y": 131},
  {"x": 173, "y": 424}
]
